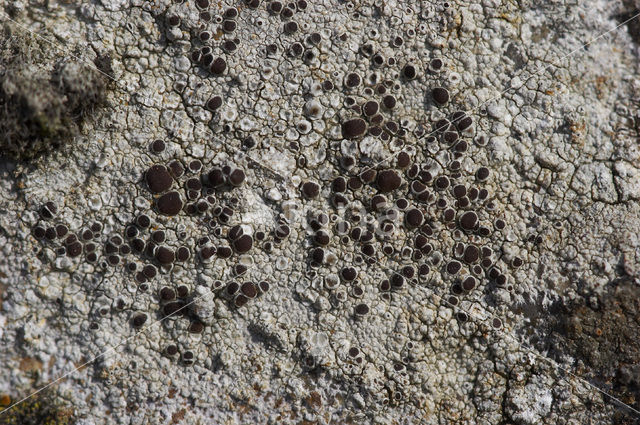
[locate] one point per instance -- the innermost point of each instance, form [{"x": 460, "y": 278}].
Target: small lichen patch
[
  {"x": 43, "y": 408},
  {"x": 43, "y": 97}
]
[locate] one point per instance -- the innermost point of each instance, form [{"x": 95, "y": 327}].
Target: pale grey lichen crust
[{"x": 560, "y": 139}]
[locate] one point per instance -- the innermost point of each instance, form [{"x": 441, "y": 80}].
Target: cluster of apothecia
[
  {"x": 150, "y": 247},
  {"x": 398, "y": 195}
]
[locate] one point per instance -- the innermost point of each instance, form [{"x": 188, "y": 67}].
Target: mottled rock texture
[{"x": 321, "y": 212}]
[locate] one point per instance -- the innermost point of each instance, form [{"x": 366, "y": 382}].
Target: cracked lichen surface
[{"x": 388, "y": 212}]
